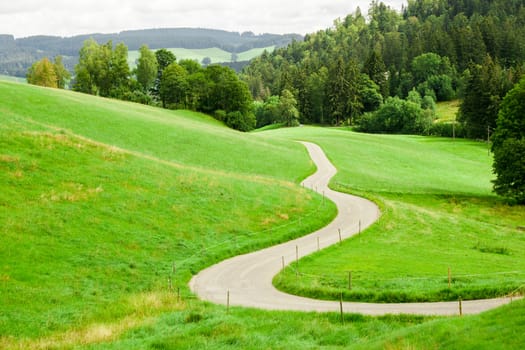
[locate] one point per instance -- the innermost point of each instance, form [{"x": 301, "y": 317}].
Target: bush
[
  {"x": 238, "y": 121},
  {"x": 447, "y": 130},
  {"x": 138, "y": 97},
  {"x": 220, "y": 115},
  {"x": 397, "y": 116}
]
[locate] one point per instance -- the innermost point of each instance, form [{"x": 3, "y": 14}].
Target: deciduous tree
[
  {"x": 288, "y": 109},
  {"x": 147, "y": 68},
  {"x": 61, "y": 72},
  {"x": 174, "y": 86},
  {"x": 42, "y": 73}
]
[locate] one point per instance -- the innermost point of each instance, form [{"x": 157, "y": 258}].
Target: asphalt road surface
[{"x": 246, "y": 280}]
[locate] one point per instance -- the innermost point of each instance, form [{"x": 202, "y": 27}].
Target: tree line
[
  {"x": 158, "y": 80},
  {"x": 439, "y": 49}
]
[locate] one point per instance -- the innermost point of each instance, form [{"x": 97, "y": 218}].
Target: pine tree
[{"x": 509, "y": 145}]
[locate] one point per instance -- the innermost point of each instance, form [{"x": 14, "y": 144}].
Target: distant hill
[{"x": 16, "y": 55}]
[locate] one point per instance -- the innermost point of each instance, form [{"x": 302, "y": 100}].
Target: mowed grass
[
  {"x": 438, "y": 212},
  {"x": 93, "y": 230}
]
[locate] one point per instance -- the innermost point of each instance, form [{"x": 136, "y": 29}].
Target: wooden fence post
[
  {"x": 341, "y": 308},
  {"x": 228, "y": 302}
]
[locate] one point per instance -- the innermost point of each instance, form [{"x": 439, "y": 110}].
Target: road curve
[{"x": 247, "y": 279}]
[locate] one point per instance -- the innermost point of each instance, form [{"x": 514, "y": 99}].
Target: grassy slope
[
  {"x": 438, "y": 212},
  {"x": 67, "y": 180},
  {"x": 183, "y": 137},
  {"x": 91, "y": 231}
]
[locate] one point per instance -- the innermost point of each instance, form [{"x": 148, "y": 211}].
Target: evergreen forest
[{"x": 400, "y": 64}]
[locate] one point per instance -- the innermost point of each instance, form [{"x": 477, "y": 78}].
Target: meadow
[
  {"x": 92, "y": 228},
  {"x": 438, "y": 213},
  {"x": 107, "y": 209},
  {"x": 215, "y": 54}
]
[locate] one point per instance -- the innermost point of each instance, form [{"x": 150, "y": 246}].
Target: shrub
[
  {"x": 397, "y": 116},
  {"x": 447, "y": 130},
  {"x": 242, "y": 122}
]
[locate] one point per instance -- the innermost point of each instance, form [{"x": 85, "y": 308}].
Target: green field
[
  {"x": 100, "y": 199},
  {"x": 438, "y": 213},
  {"x": 215, "y": 54},
  {"x": 104, "y": 205}
]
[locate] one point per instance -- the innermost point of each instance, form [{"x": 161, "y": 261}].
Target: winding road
[{"x": 246, "y": 280}]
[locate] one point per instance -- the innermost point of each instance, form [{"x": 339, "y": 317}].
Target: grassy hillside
[
  {"x": 102, "y": 202},
  {"x": 185, "y": 138},
  {"x": 438, "y": 213},
  {"x": 215, "y": 54}
]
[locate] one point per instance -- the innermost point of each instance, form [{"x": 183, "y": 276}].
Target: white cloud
[{"x": 66, "y": 18}]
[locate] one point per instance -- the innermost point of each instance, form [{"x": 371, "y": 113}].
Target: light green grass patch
[
  {"x": 186, "y": 138},
  {"x": 215, "y": 54},
  {"x": 251, "y": 54},
  {"x": 447, "y": 111}
]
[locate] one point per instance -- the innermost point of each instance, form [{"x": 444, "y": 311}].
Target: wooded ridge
[{"x": 17, "y": 54}]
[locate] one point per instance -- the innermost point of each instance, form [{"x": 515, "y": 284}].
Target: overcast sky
[{"x": 68, "y": 17}]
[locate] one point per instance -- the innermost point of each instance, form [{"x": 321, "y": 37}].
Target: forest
[{"x": 434, "y": 50}]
